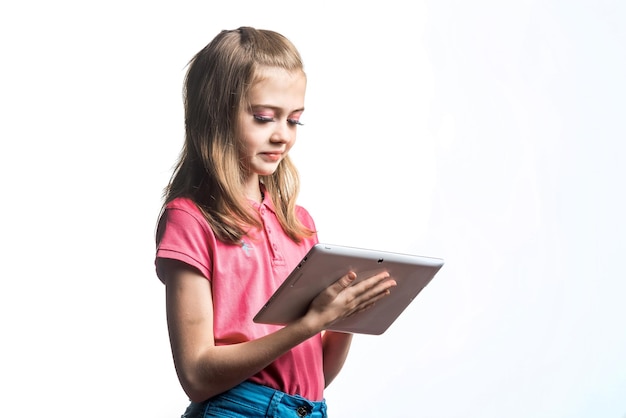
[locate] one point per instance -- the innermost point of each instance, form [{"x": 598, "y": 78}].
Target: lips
[{"x": 272, "y": 156}]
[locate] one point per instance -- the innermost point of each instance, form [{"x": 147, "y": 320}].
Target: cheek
[
  {"x": 291, "y": 143},
  {"x": 247, "y": 142}
]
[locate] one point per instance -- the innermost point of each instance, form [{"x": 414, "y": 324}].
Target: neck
[{"x": 255, "y": 192}]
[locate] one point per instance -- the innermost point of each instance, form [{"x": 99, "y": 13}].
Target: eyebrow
[{"x": 253, "y": 106}]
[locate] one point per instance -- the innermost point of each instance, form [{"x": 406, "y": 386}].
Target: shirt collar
[{"x": 267, "y": 200}]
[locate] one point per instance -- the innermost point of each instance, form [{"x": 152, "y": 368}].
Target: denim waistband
[{"x": 268, "y": 399}]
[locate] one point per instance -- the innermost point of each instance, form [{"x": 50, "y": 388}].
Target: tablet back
[{"x": 326, "y": 263}]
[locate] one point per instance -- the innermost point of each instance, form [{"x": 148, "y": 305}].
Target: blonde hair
[{"x": 208, "y": 170}]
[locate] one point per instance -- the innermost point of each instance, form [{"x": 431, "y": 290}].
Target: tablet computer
[{"x": 326, "y": 263}]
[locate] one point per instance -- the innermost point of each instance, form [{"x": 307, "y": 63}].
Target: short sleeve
[{"x": 184, "y": 236}]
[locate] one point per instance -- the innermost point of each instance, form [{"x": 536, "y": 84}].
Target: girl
[{"x": 230, "y": 232}]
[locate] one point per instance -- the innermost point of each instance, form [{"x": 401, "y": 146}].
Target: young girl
[{"x": 230, "y": 232}]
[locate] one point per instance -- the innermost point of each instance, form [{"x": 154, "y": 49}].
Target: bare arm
[
  {"x": 336, "y": 348},
  {"x": 205, "y": 369}
]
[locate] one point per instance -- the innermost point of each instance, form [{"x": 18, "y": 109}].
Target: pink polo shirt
[{"x": 243, "y": 277}]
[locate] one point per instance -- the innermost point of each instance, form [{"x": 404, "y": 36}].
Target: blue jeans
[{"x": 250, "y": 400}]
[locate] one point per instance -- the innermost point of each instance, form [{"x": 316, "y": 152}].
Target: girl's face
[{"x": 267, "y": 128}]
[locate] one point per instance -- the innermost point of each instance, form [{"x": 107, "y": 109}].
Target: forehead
[{"x": 277, "y": 85}]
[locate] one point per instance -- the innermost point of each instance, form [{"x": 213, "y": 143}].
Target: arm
[
  {"x": 205, "y": 369},
  {"x": 336, "y": 346}
]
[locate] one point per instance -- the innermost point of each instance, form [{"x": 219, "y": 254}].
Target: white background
[{"x": 489, "y": 133}]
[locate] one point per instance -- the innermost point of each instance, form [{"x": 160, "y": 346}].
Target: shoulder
[
  {"x": 305, "y": 217},
  {"x": 182, "y": 206},
  {"x": 183, "y": 203},
  {"x": 182, "y": 214}
]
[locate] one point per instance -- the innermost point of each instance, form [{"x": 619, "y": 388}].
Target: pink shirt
[{"x": 242, "y": 278}]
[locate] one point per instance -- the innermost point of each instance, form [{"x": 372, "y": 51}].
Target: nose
[{"x": 282, "y": 133}]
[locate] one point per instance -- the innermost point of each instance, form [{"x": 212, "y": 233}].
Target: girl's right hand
[{"x": 345, "y": 298}]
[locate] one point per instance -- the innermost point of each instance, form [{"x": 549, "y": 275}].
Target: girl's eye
[
  {"x": 294, "y": 122},
  {"x": 262, "y": 118}
]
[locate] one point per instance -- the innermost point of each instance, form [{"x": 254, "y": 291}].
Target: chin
[{"x": 267, "y": 171}]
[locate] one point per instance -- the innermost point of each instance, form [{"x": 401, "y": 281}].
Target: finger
[
  {"x": 360, "y": 309},
  {"x": 371, "y": 282},
  {"x": 370, "y": 303},
  {"x": 345, "y": 281},
  {"x": 364, "y": 291},
  {"x": 370, "y": 295}
]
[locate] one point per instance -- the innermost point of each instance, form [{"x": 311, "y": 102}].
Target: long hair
[{"x": 208, "y": 170}]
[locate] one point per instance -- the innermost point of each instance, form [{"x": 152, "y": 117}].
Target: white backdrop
[{"x": 488, "y": 133}]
